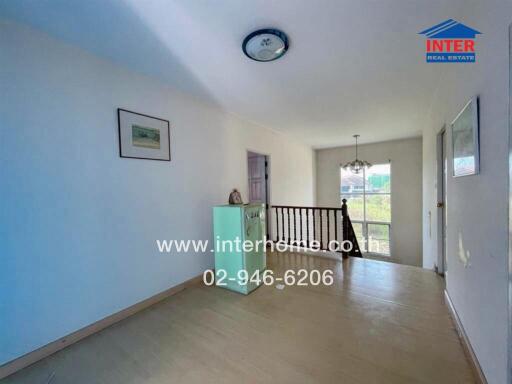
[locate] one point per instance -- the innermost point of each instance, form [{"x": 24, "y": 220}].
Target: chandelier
[{"x": 357, "y": 165}]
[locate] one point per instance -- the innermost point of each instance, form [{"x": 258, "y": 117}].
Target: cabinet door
[
  {"x": 254, "y": 229},
  {"x": 227, "y": 227}
]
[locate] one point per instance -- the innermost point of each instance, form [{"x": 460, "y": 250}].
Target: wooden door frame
[
  {"x": 268, "y": 185},
  {"x": 441, "y": 197}
]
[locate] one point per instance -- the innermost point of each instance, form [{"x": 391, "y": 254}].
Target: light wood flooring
[{"x": 379, "y": 323}]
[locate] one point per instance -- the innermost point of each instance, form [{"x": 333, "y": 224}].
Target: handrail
[
  {"x": 306, "y": 207},
  {"x": 305, "y": 224}
]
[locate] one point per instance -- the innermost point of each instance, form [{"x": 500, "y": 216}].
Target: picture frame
[
  {"x": 143, "y": 137},
  {"x": 465, "y": 140}
]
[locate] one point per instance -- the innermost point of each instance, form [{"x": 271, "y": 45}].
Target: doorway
[
  {"x": 258, "y": 170},
  {"x": 441, "y": 201}
]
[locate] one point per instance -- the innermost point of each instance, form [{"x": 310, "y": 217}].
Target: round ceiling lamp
[{"x": 265, "y": 44}]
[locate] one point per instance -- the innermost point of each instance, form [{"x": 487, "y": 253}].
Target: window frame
[{"x": 364, "y": 223}]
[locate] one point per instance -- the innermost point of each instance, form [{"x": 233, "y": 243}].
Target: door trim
[
  {"x": 268, "y": 184},
  {"x": 441, "y": 187}
]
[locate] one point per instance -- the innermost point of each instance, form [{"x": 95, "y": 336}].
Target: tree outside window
[{"x": 368, "y": 197}]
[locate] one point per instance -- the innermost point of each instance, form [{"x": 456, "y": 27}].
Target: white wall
[
  {"x": 476, "y": 205},
  {"x": 79, "y": 223},
  {"x": 406, "y": 158}
]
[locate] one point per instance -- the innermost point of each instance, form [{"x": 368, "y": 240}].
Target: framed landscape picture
[
  {"x": 465, "y": 140},
  {"x": 143, "y": 137}
]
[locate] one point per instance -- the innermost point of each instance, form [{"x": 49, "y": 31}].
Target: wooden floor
[{"x": 379, "y": 323}]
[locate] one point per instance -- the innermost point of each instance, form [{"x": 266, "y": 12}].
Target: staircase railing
[{"x": 316, "y": 228}]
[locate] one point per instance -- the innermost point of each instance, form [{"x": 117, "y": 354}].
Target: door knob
[{"x": 440, "y": 204}]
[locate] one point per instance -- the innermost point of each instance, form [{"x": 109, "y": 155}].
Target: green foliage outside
[
  {"x": 379, "y": 182},
  {"x": 378, "y": 208},
  {"x": 374, "y": 206}
]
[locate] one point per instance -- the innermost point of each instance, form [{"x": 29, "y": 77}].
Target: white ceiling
[{"x": 352, "y": 67}]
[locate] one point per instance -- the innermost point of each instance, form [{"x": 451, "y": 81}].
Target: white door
[
  {"x": 259, "y": 188},
  {"x": 257, "y": 185}
]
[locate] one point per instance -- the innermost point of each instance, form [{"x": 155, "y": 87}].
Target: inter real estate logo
[{"x": 450, "y": 42}]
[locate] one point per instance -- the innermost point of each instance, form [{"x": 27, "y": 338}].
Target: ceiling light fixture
[
  {"x": 357, "y": 165},
  {"x": 265, "y": 44}
]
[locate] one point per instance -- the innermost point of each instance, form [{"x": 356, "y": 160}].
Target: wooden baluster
[
  {"x": 300, "y": 221},
  {"x": 344, "y": 223},
  {"x": 294, "y": 227},
  {"x": 328, "y": 227},
  {"x": 307, "y": 227},
  {"x": 336, "y": 226},
  {"x": 282, "y": 224},
  {"x": 277, "y": 223},
  {"x": 288, "y": 214},
  {"x": 321, "y": 231},
  {"x": 314, "y": 224}
]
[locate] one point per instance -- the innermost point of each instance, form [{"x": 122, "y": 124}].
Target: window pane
[
  {"x": 355, "y": 206},
  {"x": 351, "y": 182},
  {"x": 358, "y": 229},
  {"x": 378, "y": 238},
  {"x": 378, "y": 208},
  {"x": 378, "y": 178}
]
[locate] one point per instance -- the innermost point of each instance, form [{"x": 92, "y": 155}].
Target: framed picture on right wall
[{"x": 465, "y": 140}]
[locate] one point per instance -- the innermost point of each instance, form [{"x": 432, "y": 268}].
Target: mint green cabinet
[{"x": 234, "y": 224}]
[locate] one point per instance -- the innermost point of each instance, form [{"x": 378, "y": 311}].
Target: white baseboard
[
  {"x": 55, "y": 346},
  {"x": 468, "y": 349}
]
